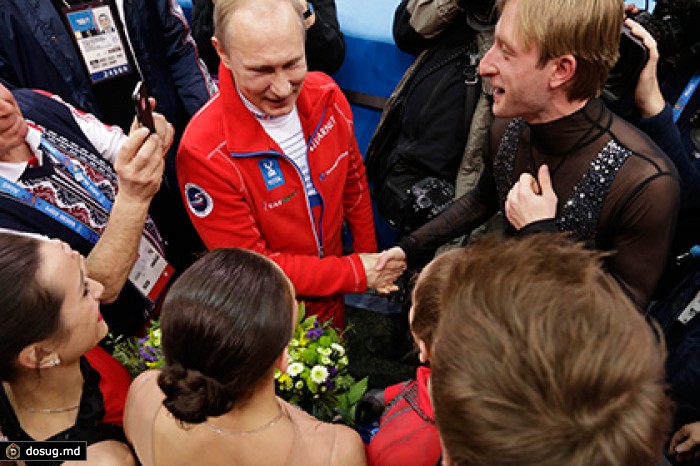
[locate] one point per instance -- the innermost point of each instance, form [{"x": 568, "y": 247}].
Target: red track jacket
[{"x": 241, "y": 191}]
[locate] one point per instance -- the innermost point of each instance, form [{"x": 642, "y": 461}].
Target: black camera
[
  {"x": 428, "y": 198},
  {"x": 674, "y": 26},
  {"x": 481, "y": 14}
]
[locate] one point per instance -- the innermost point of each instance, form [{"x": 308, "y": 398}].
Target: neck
[
  {"x": 57, "y": 387},
  {"x": 20, "y": 153},
  {"x": 558, "y": 108},
  {"x": 259, "y": 409}
]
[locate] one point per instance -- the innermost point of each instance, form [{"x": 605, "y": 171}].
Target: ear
[
  {"x": 424, "y": 351},
  {"x": 223, "y": 56},
  {"x": 34, "y": 356},
  {"x": 564, "y": 71}
]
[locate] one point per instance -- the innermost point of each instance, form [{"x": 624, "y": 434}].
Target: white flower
[
  {"x": 294, "y": 342},
  {"x": 343, "y": 361},
  {"x": 299, "y": 385},
  {"x": 323, "y": 351},
  {"x": 295, "y": 369},
  {"x": 325, "y": 360},
  {"x": 319, "y": 374},
  {"x": 338, "y": 348}
]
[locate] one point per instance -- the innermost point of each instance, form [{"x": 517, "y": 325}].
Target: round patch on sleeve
[{"x": 199, "y": 201}]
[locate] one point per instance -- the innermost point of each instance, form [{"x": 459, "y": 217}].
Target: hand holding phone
[{"x": 144, "y": 112}]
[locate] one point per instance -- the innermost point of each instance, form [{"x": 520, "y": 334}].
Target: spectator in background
[
  {"x": 38, "y": 50},
  {"x": 46, "y": 147},
  {"x": 226, "y": 324},
  {"x": 557, "y": 158},
  {"x": 271, "y": 163},
  {"x": 325, "y": 44},
  {"x": 541, "y": 359},
  {"x": 56, "y": 384}
]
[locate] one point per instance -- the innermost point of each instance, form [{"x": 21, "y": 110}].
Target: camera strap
[{"x": 685, "y": 96}]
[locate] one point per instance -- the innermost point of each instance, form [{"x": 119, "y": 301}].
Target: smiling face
[
  {"x": 266, "y": 58},
  {"x": 63, "y": 271},
  {"x": 521, "y": 85}
]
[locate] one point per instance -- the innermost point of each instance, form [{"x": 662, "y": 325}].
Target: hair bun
[{"x": 192, "y": 396}]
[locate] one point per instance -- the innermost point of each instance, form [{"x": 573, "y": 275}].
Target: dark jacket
[{"x": 36, "y": 51}]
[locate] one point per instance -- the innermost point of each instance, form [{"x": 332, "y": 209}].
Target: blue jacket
[{"x": 36, "y": 51}]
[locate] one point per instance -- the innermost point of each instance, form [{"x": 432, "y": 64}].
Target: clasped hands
[
  {"x": 382, "y": 269},
  {"x": 531, "y": 200}
]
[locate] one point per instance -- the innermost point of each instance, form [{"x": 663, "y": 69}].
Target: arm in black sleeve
[
  {"x": 642, "y": 235},
  {"x": 325, "y": 44},
  {"x": 661, "y": 129}
]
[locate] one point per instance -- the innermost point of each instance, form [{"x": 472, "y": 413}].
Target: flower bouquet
[
  {"x": 317, "y": 378},
  {"x": 139, "y": 354}
]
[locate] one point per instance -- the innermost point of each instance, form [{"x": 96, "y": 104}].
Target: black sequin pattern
[{"x": 580, "y": 213}]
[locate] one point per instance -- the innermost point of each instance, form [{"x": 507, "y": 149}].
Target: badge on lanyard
[{"x": 100, "y": 44}]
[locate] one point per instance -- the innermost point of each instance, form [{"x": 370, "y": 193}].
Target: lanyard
[
  {"x": 78, "y": 174},
  {"x": 685, "y": 96},
  {"x": 44, "y": 207}
]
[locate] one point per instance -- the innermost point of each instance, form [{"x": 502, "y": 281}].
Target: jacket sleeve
[
  {"x": 192, "y": 79},
  {"x": 430, "y": 17},
  {"x": 229, "y": 222},
  {"x": 406, "y": 38},
  {"x": 325, "y": 44},
  {"x": 358, "y": 205}
]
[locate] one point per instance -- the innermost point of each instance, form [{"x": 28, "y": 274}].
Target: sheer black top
[{"x": 616, "y": 191}]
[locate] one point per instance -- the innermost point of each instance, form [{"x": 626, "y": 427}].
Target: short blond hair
[
  {"x": 541, "y": 359},
  {"x": 587, "y": 29}
]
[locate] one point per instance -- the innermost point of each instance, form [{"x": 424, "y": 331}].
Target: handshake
[{"x": 383, "y": 268}]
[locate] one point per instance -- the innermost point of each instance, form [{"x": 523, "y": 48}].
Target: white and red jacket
[{"x": 242, "y": 191}]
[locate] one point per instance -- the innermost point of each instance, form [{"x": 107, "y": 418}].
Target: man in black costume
[{"x": 556, "y": 157}]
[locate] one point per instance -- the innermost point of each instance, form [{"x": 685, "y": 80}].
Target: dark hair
[
  {"x": 541, "y": 359},
  {"x": 29, "y": 312},
  {"x": 224, "y": 323}
]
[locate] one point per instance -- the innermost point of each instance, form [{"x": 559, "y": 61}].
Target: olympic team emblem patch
[{"x": 199, "y": 201}]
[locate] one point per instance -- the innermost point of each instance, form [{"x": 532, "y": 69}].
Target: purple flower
[
  {"x": 314, "y": 333},
  {"x": 148, "y": 353},
  {"x": 333, "y": 371}
]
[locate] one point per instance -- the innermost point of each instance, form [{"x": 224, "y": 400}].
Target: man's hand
[
  {"x": 382, "y": 269},
  {"x": 685, "y": 443},
  {"x": 13, "y": 128},
  {"x": 530, "y": 200},
  {"x": 141, "y": 160}
]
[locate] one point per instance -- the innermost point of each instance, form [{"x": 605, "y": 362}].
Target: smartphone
[{"x": 144, "y": 112}]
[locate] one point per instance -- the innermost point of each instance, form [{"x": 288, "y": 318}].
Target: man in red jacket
[{"x": 271, "y": 162}]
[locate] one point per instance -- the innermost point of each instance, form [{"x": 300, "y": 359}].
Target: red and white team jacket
[{"x": 241, "y": 191}]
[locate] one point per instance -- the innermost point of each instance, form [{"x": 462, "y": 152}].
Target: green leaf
[{"x": 357, "y": 390}]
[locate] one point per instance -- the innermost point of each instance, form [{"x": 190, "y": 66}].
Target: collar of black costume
[{"x": 568, "y": 134}]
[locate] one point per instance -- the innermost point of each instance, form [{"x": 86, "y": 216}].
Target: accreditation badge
[
  {"x": 151, "y": 272},
  {"x": 100, "y": 42}
]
